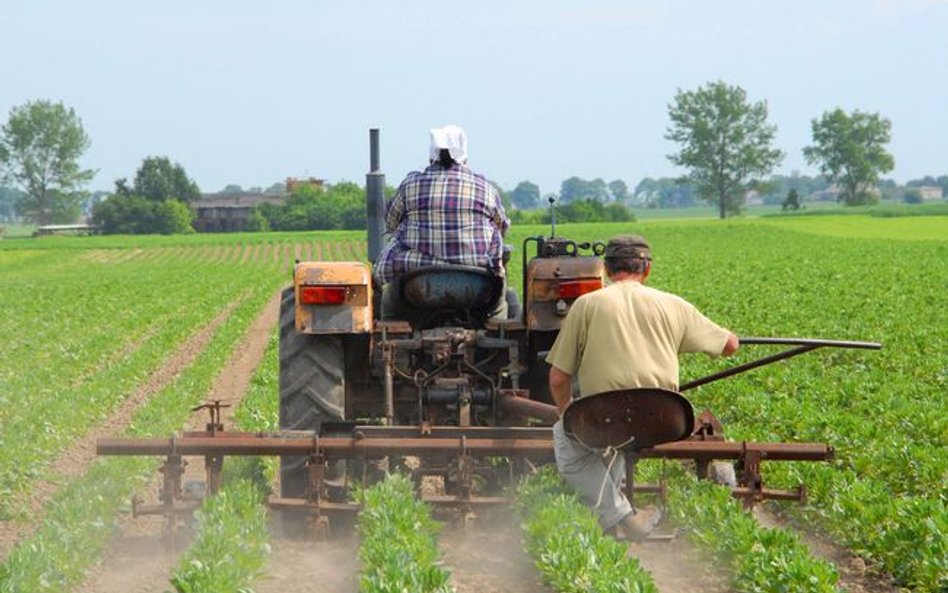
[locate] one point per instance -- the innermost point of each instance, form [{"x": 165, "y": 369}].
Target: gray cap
[{"x": 628, "y": 246}]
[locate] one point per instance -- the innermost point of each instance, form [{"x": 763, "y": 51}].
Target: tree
[
  {"x": 525, "y": 196},
  {"x": 158, "y": 179},
  {"x": 619, "y": 190},
  {"x": 276, "y": 188},
  {"x": 340, "y": 206},
  {"x": 664, "y": 192},
  {"x": 791, "y": 202},
  {"x": 576, "y": 189},
  {"x": 726, "y": 142},
  {"x": 913, "y": 196},
  {"x": 850, "y": 151},
  {"x": 232, "y": 189},
  {"x": 157, "y": 203},
  {"x": 40, "y": 147},
  {"x": 8, "y": 199},
  {"x": 136, "y": 215}
]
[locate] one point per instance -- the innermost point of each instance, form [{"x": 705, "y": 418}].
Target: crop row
[
  {"x": 231, "y": 546},
  {"x": 104, "y": 320},
  {"x": 111, "y": 329},
  {"x": 569, "y": 547},
  {"x": 884, "y": 494},
  {"x": 398, "y": 550},
  {"x": 762, "y": 560},
  {"x": 79, "y": 519}
]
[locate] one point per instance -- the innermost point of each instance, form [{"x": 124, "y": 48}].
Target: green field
[{"x": 86, "y": 320}]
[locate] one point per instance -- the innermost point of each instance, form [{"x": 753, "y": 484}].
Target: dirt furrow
[
  {"x": 298, "y": 566},
  {"x": 76, "y": 460},
  {"x": 489, "y": 559},
  {"x": 138, "y": 558},
  {"x": 678, "y": 566}
]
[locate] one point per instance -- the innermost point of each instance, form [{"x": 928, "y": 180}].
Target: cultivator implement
[
  {"x": 457, "y": 455},
  {"x": 637, "y": 423}
]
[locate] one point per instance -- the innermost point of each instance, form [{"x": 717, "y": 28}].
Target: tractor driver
[
  {"x": 446, "y": 214},
  {"x": 623, "y": 336}
]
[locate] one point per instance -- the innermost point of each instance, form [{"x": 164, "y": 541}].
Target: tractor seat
[
  {"x": 629, "y": 418},
  {"x": 451, "y": 288}
]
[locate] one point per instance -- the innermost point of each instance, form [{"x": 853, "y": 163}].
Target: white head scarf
[{"x": 451, "y": 138}]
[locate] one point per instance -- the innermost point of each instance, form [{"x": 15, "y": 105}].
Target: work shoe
[{"x": 636, "y": 526}]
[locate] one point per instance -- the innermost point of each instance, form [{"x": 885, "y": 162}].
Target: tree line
[{"x": 725, "y": 149}]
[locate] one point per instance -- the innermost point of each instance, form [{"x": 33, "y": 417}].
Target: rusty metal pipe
[
  {"x": 333, "y": 447},
  {"x": 353, "y": 447},
  {"x": 729, "y": 450},
  {"x": 528, "y": 408}
]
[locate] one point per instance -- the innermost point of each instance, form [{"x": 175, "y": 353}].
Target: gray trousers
[{"x": 587, "y": 471}]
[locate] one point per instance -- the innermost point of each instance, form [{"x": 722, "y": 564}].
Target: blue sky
[{"x": 252, "y": 92}]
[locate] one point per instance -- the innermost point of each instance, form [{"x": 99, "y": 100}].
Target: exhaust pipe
[{"x": 374, "y": 198}]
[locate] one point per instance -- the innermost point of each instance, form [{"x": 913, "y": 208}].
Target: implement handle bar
[
  {"x": 802, "y": 345},
  {"x": 811, "y": 342}
]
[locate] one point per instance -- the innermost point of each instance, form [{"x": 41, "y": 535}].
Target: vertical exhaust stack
[{"x": 375, "y": 197}]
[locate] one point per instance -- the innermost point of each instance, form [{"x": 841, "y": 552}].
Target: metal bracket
[{"x": 214, "y": 408}]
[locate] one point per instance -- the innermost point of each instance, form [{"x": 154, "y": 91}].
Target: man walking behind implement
[
  {"x": 623, "y": 336},
  {"x": 446, "y": 214}
]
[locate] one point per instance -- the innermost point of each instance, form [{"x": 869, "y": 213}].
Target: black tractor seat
[{"x": 464, "y": 291}]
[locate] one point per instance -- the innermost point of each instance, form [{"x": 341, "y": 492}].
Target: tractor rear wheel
[{"x": 312, "y": 387}]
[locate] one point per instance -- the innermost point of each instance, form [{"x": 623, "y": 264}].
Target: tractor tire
[{"x": 312, "y": 387}]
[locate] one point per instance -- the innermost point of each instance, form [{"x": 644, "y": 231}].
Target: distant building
[
  {"x": 929, "y": 192},
  {"x": 229, "y": 212},
  {"x": 830, "y": 194},
  {"x": 294, "y": 182}
]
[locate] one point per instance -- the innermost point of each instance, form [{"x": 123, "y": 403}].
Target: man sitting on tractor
[
  {"x": 621, "y": 337},
  {"x": 446, "y": 214}
]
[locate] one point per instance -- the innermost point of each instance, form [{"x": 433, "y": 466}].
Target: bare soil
[
  {"x": 298, "y": 566},
  {"x": 678, "y": 566},
  {"x": 489, "y": 559},
  {"x": 139, "y": 557}
]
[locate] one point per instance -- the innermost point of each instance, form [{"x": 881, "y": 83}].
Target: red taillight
[
  {"x": 575, "y": 288},
  {"x": 322, "y": 295}
]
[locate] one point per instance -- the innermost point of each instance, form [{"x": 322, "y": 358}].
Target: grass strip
[
  {"x": 398, "y": 551},
  {"x": 80, "y": 518},
  {"x": 568, "y": 546}
]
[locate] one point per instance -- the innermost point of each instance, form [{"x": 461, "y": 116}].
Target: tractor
[{"x": 451, "y": 392}]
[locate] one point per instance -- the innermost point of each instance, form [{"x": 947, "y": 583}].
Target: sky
[{"x": 253, "y": 92}]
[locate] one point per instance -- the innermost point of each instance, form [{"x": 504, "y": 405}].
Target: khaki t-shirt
[{"x": 629, "y": 335}]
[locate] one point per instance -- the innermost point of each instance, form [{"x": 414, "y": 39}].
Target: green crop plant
[
  {"x": 883, "y": 496},
  {"x": 102, "y": 327},
  {"x": 232, "y": 543},
  {"x": 231, "y": 548},
  {"x": 398, "y": 550},
  {"x": 568, "y": 545},
  {"x": 79, "y": 519},
  {"x": 762, "y": 560}
]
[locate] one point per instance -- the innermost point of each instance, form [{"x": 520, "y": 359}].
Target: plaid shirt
[{"x": 443, "y": 215}]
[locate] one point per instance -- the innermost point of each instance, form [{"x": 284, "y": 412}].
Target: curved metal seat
[{"x": 629, "y": 418}]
